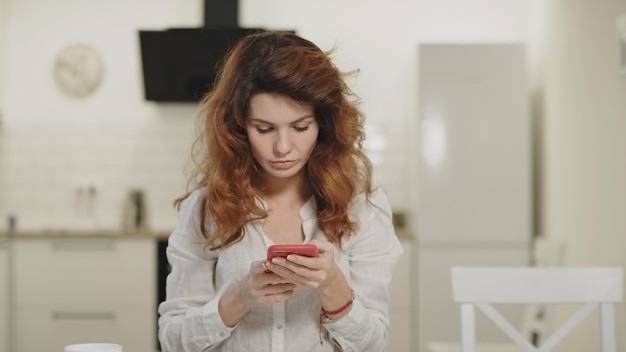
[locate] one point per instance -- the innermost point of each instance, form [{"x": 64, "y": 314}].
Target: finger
[
  {"x": 273, "y": 279},
  {"x": 277, "y": 267},
  {"x": 277, "y": 297},
  {"x": 258, "y": 266},
  {"x": 294, "y": 273},
  {"x": 279, "y": 287},
  {"x": 308, "y": 280},
  {"x": 299, "y": 260},
  {"x": 286, "y": 267}
]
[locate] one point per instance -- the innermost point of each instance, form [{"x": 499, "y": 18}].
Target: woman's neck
[{"x": 295, "y": 190}]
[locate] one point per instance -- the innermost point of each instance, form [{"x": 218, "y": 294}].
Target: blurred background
[{"x": 72, "y": 160}]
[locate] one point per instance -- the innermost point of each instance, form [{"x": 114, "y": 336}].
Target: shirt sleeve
[
  {"x": 189, "y": 319},
  {"x": 373, "y": 253}
]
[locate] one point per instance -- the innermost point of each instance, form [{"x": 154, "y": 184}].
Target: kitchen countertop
[
  {"x": 158, "y": 235},
  {"x": 86, "y": 233}
]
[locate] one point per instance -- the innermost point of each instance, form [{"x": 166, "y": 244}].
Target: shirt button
[
  {"x": 222, "y": 334},
  {"x": 279, "y": 327},
  {"x": 332, "y": 329}
]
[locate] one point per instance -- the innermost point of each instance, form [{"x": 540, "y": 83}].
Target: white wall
[
  {"x": 3, "y": 84},
  {"x": 584, "y": 144},
  {"x": 51, "y": 144},
  {"x": 2, "y": 31},
  {"x": 2, "y": 55}
]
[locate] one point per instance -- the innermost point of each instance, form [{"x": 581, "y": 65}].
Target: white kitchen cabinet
[
  {"x": 400, "y": 302},
  {"x": 4, "y": 295},
  {"x": 80, "y": 289},
  {"x": 133, "y": 328}
]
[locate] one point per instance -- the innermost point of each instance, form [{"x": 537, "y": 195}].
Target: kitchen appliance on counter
[{"x": 134, "y": 216}]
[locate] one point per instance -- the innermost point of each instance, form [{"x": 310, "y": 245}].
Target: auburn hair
[{"x": 223, "y": 164}]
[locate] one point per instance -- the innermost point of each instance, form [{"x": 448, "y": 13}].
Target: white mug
[{"x": 93, "y": 347}]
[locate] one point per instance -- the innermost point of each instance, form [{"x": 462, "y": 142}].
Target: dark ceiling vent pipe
[{"x": 221, "y": 14}]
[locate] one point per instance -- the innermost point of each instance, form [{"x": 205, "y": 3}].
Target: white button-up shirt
[{"x": 189, "y": 318}]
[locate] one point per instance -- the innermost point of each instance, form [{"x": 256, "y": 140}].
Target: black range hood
[{"x": 179, "y": 64}]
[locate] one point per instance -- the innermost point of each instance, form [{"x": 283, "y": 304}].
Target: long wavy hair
[{"x": 223, "y": 164}]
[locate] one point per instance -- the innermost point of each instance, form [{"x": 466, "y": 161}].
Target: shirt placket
[{"x": 278, "y": 330}]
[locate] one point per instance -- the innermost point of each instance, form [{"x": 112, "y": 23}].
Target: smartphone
[{"x": 283, "y": 250}]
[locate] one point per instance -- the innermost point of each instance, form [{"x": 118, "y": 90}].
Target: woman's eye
[
  {"x": 263, "y": 130},
  {"x": 301, "y": 128}
]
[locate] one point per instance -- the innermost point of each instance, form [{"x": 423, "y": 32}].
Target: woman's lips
[{"x": 283, "y": 164}]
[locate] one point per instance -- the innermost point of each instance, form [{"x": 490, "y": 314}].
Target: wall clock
[{"x": 78, "y": 70}]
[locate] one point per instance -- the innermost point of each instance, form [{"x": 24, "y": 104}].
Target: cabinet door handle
[
  {"x": 83, "y": 316},
  {"x": 83, "y": 245}
]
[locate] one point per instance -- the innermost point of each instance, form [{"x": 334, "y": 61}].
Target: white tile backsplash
[{"x": 48, "y": 164}]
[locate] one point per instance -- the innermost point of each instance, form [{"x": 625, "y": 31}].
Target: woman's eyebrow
[{"x": 270, "y": 123}]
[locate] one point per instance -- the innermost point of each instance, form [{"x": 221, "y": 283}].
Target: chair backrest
[
  {"x": 481, "y": 286},
  {"x": 538, "y": 319}
]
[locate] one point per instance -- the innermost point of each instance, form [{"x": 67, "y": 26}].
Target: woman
[{"x": 279, "y": 160}]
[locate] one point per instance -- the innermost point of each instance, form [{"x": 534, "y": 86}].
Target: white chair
[
  {"x": 537, "y": 320},
  {"x": 479, "y": 287}
]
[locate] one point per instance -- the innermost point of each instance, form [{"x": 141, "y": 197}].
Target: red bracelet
[
  {"x": 325, "y": 312},
  {"x": 338, "y": 310}
]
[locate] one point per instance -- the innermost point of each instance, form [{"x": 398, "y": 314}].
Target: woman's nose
[{"x": 282, "y": 145}]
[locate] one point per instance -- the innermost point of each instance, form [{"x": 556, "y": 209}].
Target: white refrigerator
[{"x": 474, "y": 193}]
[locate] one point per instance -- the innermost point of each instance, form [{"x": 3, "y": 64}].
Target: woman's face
[{"x": 282, "y": 134}]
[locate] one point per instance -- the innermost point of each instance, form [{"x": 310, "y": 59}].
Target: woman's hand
[
  {"x": 320, "y": 273},
  {"x": 260, "y": 287},
  {"x": 308, "y": 272},
  {"x": 255, "y": 289}
]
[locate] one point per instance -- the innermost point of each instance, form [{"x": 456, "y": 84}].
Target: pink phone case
[{"x": 283, "y": 250}]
